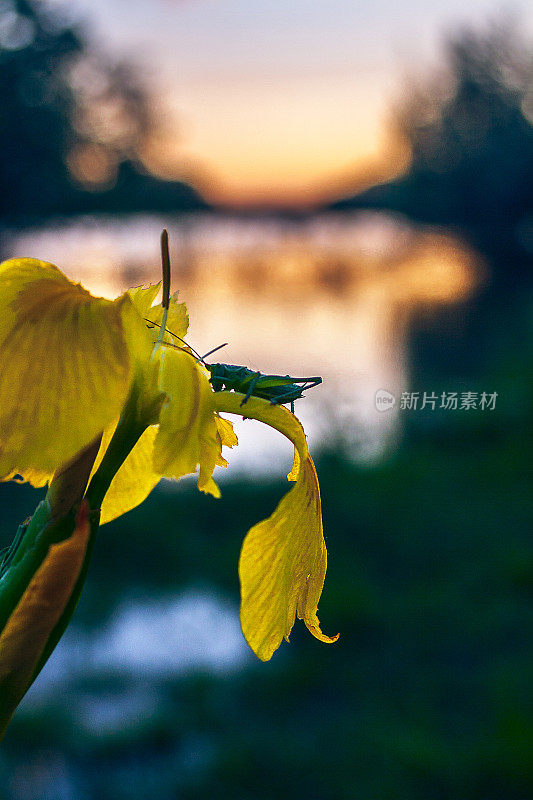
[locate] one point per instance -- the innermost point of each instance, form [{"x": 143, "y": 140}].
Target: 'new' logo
[{"x": 384, "y": 400}]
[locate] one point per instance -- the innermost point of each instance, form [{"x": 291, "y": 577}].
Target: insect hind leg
[
  {"x": 253, "y": 384},
  {"x": 295, "y": 392}
]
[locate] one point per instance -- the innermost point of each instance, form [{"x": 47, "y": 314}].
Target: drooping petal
[
  {"x": 227, "y": 435},
  {"x": 65, "y": 366},
  {"x": 186, "y": 419},
  {"x": 216, "y": 434},
  {"x": 134, "y": 480},
  {"x": 137, "y": 477},
  {"x": 283, "y": 558}
]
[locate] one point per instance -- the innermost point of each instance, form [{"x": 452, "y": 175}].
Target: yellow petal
[
  {"x": 209, "y": 455},
  {"x": 177, "y": 318},
  {"x": 142, "y": 297},
  {"x": 209, "y": 486},
  {"x": 283, "y": 559},
  {"x": 216, "y": 433},
  {"x": 295, "y": 471},
  {"x": 31, "y": 476},
  {"x": 140, "y": 335},
  {"x": 228, "y": 437},
  {"x": 65, "y": 366},
  {"x": 134, "y": 480},
  {"x": 186, "y": 420}
]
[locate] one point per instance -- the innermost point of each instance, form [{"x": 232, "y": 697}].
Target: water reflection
[
  {"x": 149, "y": 638},
  {"x": 330, "y": 295},
  {"x": 120, "y": 674},
  {"x": 116, "y": 683}
]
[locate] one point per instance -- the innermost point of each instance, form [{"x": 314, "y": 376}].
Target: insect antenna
[
  {"x": 200, "y": 358},
  {"x": 214, "y": 350},
  {"x": 153, "y": 324}
]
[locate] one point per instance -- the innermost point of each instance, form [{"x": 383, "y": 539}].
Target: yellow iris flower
[{"x": 74, "y": 367}]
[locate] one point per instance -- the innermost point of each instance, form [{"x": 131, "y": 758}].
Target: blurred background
[{"x": 349, "y": 193}]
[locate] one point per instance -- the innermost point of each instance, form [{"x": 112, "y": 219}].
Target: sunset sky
[{"x": 270, "y": 100}]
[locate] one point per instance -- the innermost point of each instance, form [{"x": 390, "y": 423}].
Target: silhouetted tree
[
  {"x": 36, "y": 131},
  {"x": 71, "y": 123},
  {"x": 471, "y": 139}
]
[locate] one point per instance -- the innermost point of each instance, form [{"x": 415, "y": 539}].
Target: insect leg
[
  {"x": 253, "y": 384},
  {"x": 312, "y": 382},
  {"x": 292, "y": 395}
]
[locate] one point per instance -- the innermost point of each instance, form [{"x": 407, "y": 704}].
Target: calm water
[
  {"x": 331, "y": 296},
  {"x": 116, "y": 676}
]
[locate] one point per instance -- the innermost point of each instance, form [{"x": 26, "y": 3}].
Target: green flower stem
[
  {"x": 58, "y": 631},
  {"x": 56, "y": 520},
  {"x": 53, "y": 521},
  {"x": 69, "y": 483},
  {"x": 132, "y": 424},
  {"x": 20, "y": 660},
  {"x": 64, "y": 493}
]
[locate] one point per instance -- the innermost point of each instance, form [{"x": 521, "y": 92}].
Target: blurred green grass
[{"x": 430, "y": 584}]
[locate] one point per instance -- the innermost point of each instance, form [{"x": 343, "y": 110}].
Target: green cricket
[{"x": 278, "y": 389}]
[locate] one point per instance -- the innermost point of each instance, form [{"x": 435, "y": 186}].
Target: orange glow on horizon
[
  {"x": 294, "y": 148},
  {"x": 271, "y": 186}
]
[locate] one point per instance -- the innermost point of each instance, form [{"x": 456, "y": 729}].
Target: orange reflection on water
[
  {"x": 437, "y": 269},
  {"x": 330, "y": 295}
]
